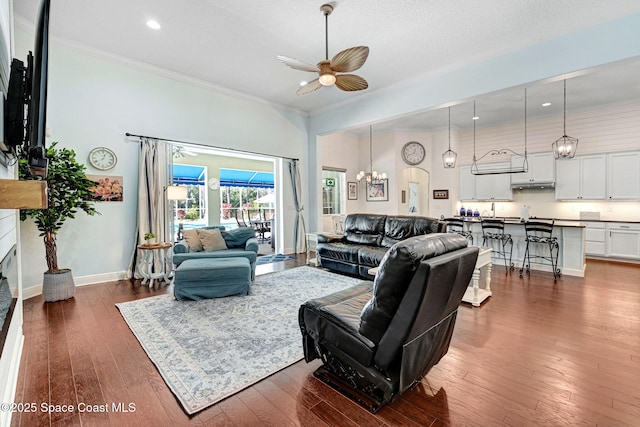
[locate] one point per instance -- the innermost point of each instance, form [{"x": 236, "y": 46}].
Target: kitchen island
[{"x": 570, "y": 235}]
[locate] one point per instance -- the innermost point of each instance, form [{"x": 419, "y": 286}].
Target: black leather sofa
[
  {"x": 378, "y": 338},
  {"x": 367, "y": 237}
]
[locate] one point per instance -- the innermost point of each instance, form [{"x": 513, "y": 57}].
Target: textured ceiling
[{"x": 233, "y": 44}]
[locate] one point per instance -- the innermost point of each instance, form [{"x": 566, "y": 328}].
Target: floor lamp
[{"x": 176, "y": 192}]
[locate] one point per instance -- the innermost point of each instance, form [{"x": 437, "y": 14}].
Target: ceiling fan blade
[
  {"x": 351, "y": 82},
  {"x": 312, "y": 86},
  {"x": 349, "y": 59},
  {"x": 298, "y": 65}
]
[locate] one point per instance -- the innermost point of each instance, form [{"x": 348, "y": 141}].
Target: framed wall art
[
  {"x": 378, "y": 191},
  {"x": 441, "y": 194},
  {"x": 352, "y": 190},
  {"x": 107, "y": 189}
]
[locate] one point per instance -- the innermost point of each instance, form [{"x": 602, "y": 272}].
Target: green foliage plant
[{"x": 68, "y": 191}]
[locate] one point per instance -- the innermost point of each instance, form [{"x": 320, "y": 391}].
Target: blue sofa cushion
[
  {"x": 178, "y": 258},
  {"x": 237, "y": 238}
]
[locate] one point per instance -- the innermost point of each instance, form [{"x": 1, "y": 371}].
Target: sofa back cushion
[
  {"x": 364, "y": 229},
  {"x": 398, "y": 228},
  {"x": 237, "y": 238},
  {"x": 212, "y": 240},
  {"x": 193, "y": 240},
  {"x": 395, "y": 272}
]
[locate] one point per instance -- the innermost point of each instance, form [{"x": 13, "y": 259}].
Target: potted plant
[
  {"x": 68, "y": 190},
  {"x": 150, "y": 238}
]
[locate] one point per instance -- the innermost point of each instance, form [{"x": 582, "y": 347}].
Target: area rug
[
  {"x": 268, "y": 259},
  {"x": 208, "y": 350}
]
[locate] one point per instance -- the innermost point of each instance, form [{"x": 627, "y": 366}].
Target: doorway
[{"x": 413, "y": 186}]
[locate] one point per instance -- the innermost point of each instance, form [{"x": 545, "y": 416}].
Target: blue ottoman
[{"x": 197, "y": 279}]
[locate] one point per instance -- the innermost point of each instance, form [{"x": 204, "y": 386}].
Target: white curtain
[
  {"x": 299, "y": 228},
  {"x": 153, "y": 177}
]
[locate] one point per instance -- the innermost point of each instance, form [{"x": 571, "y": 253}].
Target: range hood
[{"x": 533, "y": 185}]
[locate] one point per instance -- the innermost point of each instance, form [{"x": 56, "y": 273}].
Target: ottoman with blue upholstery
[{"x": 197, "y": 279}]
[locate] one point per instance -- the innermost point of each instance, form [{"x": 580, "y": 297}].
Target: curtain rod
[{"x": 210, "y": 146}]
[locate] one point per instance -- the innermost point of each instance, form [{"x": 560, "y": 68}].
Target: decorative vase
[{"x": 58, "y": 286}]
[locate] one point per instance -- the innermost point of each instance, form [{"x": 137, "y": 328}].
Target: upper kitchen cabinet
[
  {"x": 623, "y": 177},
  {"x": 485, "y": 187},
  {"x": 467, "y": 183},
  {"x": 541, "y": 171},
  {"x": 581, "y": 178}
]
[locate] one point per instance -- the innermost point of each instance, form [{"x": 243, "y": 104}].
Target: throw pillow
[
  {"x": 193, "y": 240},
  {"x": 212, "y": 240},
  {"x": 237, "y": 237}
]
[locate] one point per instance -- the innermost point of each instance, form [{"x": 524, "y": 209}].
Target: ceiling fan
[
  {"x": 180, "y": 151},
  {"x": 343, "y": 62}
]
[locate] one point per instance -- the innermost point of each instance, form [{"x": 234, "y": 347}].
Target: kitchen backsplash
[{"x": 542, "y": 204}]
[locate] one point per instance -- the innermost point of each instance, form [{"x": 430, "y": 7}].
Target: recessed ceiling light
[
  {"x": 153, "y": 24},
  {"x": 303, "y": 83},
  {"x": 475, "y": 118},
  {"x": 546, "y": 104}
]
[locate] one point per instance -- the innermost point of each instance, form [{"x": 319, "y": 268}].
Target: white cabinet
[
  {"x": 623, "y": 240},
  {"x": 623, "y": 177},
  {"x": 541, "y": 169},
  {"x": 581, "y": 178},
  {"x": 485, "y": 187},
  {"x": 467, "y": 184},
  {"x": 595, "y": 238}
]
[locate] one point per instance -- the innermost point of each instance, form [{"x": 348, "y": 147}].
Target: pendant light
[
  {"x": 371, "y": 176},
  {"x": 565, "y": 147},
  {"x": 449, "y": 157}
]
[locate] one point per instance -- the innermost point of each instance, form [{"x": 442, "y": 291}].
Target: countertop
[
  {"x": 513, "y": 219},
  {"x": 516, "y": 221}
]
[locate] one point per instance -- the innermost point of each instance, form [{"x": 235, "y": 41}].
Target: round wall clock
[
  {"x": 413, "y": 153},
  {"x": 103, "y": 158},
  {"x": 214, "y": 183}
]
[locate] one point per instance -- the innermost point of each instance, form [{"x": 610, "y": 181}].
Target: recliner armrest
[{"x": 329, "y": 238}]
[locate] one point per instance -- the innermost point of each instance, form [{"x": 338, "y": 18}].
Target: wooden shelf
[{"x": 16, "y": 194}]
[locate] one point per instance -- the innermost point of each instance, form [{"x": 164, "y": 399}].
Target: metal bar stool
[
  {"x": 493, "y": 236},
  {"x": 540, "y": 233},
  {"x": 455, "y": 225}
]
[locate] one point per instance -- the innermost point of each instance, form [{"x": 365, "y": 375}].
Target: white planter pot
[{"x": 58, "y": 286}]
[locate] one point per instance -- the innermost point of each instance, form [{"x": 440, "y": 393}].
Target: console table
[
  {"x": 148, "y": 255},
  {"x": 474, "y": 294}
]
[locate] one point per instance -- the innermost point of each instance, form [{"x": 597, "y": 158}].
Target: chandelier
[
  {"x": 449, "y": 156},
  {"x": 565, "y": 146},
  {"x": 372, "y": 176}
]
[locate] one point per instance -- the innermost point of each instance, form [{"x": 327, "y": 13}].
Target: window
[{"x": 334, "y": 184}]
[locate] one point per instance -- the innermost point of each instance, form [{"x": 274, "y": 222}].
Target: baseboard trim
[{"x": 93, "y": 279}]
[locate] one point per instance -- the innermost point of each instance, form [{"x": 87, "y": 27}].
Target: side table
[
  {"x": 474, "y": 293},
  {"x": 158, "y": 254},
  {"x": 312, "y": 243}
]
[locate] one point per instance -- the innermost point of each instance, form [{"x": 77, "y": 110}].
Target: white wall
[
  {"x": 11, "y": 353},
  {"x": 352, "y": 154},
  {"x": 93, "y": 101},
  {"x": 602, "y": 130},
  {"x": 601, "y": 44}
]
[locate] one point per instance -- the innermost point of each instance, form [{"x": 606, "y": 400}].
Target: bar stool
[
  {"x": 539, "y": 233},
  {"x": 455, "y": 225},
  {"x": 493, "y": 236}
]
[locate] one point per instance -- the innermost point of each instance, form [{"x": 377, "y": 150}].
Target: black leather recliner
[{"x": 378, "y": 338}]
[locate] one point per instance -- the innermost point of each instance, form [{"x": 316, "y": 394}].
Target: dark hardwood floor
[{"x": 536, "y": 353}]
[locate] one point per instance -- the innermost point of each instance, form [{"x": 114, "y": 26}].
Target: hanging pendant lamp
[
  {"x": 371, "y": 176},
  {"x": 565, "y": 147},
  {"x": 449, "y": 157}
]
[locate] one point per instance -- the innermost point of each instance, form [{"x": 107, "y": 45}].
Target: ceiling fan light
[{"x": 327, "y": 79}]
